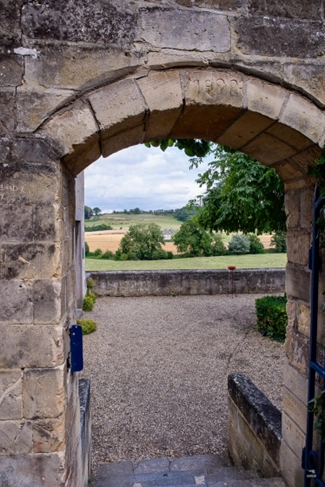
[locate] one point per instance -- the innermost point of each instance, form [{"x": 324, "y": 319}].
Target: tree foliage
[
  {"x": 241, "y": 194},
  {"x": 142, "y": 241},
  {"x": 193, "y": 239},
  {"x": 97, "y": 211},
  {"x": 88, "y": 212}
]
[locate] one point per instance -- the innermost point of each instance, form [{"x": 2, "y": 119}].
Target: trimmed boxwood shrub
[
  {"x": 272, "y": 317},
  {"x": 239, "y": 244},
  {"x": 88, "y": 326}
]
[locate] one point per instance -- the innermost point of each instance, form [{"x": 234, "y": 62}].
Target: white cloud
[{"x": 141, "y": 177}]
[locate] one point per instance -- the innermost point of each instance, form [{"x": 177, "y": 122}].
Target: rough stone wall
[{"x": 79, "y": 79}]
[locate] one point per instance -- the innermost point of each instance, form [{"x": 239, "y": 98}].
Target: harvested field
[{"x": 110, "y": 240}]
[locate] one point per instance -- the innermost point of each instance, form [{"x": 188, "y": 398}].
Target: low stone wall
[
  {"x": 166, "y": 283},
  {"x": 254, "y": 427}
]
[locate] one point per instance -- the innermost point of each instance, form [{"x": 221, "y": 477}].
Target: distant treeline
[
  {"x": 97, "y": 228},
  {"x": 181, "y": 214}
]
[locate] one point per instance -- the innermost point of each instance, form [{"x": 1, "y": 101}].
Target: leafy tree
[
  {"x": 256, "y": 246},
  {"x": 88, "y": 212},
  {"x": 97, "y": 211},
  {"x": 241, "y": 194},
  {"x": 218, "y": 246},
  {"x": 141, "y": 241},
  {"x": 278, "y": 241},
  {"x": 193, "y": 239},
  {"x": 239, "y": 244},
  {"x": 184, "y": 213}
]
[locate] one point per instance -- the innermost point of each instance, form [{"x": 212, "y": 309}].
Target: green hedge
[
  {"x": 272, "y": 317},
  {"x": 88, "y": 326}
]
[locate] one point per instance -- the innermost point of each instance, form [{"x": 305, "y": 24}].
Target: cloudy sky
[{"x": 140, "y": 177}]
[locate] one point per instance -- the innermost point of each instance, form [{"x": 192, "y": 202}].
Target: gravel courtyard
[{"x": 158, "y": 368}]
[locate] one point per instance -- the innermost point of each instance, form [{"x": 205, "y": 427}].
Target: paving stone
[
  {"x": 230, "y": 473},
  {"x": 152, "y": 465},
  {"x": 148, "y": 479},
  {"x": 200, "y": 462}
]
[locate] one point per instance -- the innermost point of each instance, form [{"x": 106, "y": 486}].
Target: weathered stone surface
[
  {"x": 290, "y": 136},
  {"x": 306, "y": 205},
  {"x": 21, "y": 344},
  {"x": 292, "y": 208},
  {"x": 217, "y": 4},
  {"x": 295, "y": 409},
  {"x": 35, "y": 106},
  {"x": 297, "y": 350},
  {"x": 306, "y": 158},
  {"x": 183, "y": 29},
  {"x": 118, "y": 108},
  {"x": 73, "y": 21},
  {"x": 7, "y": 112},
  {"x": 73, "y": 127},
  {"x": 287, "y": 170},
  {"x": 300, "y": 114},
  {"x": 162, "y": 92},
  {"x": 47, "y": 300},
  {"x": 10, "y": 394},
  {"x": 298, "y": 244},
  {"x": 296, "y": 382},
  {"x": 304, "y": 319},
  {"x": 17, "y": 302},
  {"x": 11, "y": 70},
  {"x": 287, "y": 8},
  {"x": 269, "y": 37},
  {"x": 247, "y": 127},
  {"x": 291, "y": 465},
  {"x": 33, "y": 470},
  {"x": 265, "y": 98},
  {"x": 15, "y": 438},
  {"x": 11, "y": 229},
  {"x": 309, "y": 77},
  {"x": 43, "y": 394},
  {"x": 298, "y": 283},
  {"x": 10, "y": 34},
  {"x": 48, "y": 435},
  {"x": 268, "y": 149},
  {"x": 124, "y": 139}
]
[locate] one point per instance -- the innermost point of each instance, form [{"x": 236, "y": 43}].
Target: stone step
[{"x": 205, "y": 470}]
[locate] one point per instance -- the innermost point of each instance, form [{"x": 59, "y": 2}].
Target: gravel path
[{"x": 158, "y": 368}]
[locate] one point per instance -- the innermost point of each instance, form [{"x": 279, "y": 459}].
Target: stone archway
[{"x": 72, "y": 89}]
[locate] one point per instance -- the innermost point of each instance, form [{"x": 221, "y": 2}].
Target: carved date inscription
[
  {"x": 7, "y": 188},
  {"x": 215, "y": 88}
]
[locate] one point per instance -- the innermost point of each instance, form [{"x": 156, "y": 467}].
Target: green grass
[{"x": 222, "y": 262}]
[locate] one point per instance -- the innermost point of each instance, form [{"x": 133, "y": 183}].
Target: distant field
[
  {"x": 110, "y": 239},
  {"x": 222, "y": 262}
]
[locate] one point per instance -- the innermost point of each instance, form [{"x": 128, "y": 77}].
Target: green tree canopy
[
  {"x": 193, "y": 239},
  {"x": 241, "y": 194},
  {"x": 141, "y": 241},
  {"x": 88, "y": 212},
  {"x": 97, "y": 211}
]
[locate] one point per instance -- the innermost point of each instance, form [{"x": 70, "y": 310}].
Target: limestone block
[
  {"x": 44, "y": 395},
  {"x": 290, "y": 8},
  {"x": 122, "y": 140},
  {"x": 265, "y": 98},
  {"x": 10, "y": 394},
  {"x": 217, "y": 4},
  {"x": 298, "y": 245},
  {"x": 295, "y": 382},
  {"x": 30, "y": 261},
  {"x": 306, "y": 205},
  {"x": 35, "y": 106},
  {"x": 47, "y": 300},
  {"x": 247, "y": 127},
  {"x": 288, "y": 170},
  {"x": 294, "y": 184},
  {"x": 304, "y": 117},
  {"x": 7, "y": 111},
  {"x": 10, "y": 34},
  {"x": 12, "y": 216},
  {"x": 73, "y": 127},
  {"x": 298, "y": 283},
  {"x": 291, "y": 470},
  {"x": 266, "y": 36},
  {"x": 295, "y": 409},
  {"x": 15, "y": 438},
  {"x": 297, "y": 350},
  {"x": 309, "y": 77},
  {"x": 48, "y": 435},
  {"x": 78, "y": 69},
  {"x": 185, "y": 29},
  {"x": 304, "y": 319},
  {"x": 11, "y": 70},
  {"x": 290, "y": 136},
  {"x": 95, "y": 23},
  {"x": 163, "y": 95},
  {"x": 291, "y": 312},
  {"x": 34, "y": 470},
  {"x": 35, "y": 149},
  {"x": 118, "y": 107},
  {"x": 306, "y": 158},
  {"x": 17, "y": 302},
  {"x": 292, "y": 208},
  {"x": 268, "y": 150},
  {"x": 31, "y": 346},
  {"x": 47, "y": 224}
]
